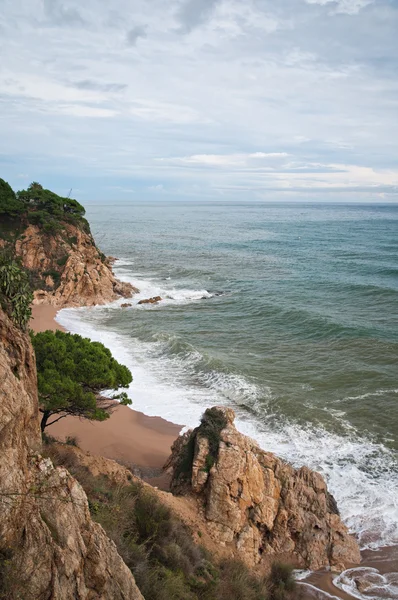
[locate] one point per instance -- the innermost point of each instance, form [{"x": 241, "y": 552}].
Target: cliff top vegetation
[{"x": 41, "y": 207}]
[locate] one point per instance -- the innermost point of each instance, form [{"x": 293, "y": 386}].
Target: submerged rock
[{"x": 255, "y": 503}]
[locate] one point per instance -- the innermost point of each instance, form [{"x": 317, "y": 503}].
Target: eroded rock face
[
  {"x": 255, "y": 503},
  {"x": 53, "y": 548},
  {"x": 70, "y": 267}
]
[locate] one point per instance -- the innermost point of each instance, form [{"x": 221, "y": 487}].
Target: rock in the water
[
  {"x": 153, "y": 300},
  {"x": 125, "y": 305},
  {"x": 254, "y": 502}
]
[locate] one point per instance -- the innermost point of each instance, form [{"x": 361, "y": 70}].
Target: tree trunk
[{"x": 45, "y": 417}]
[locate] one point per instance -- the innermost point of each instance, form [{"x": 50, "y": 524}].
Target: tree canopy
[
  {"x": 72, "y": 371},
  {"x": 40, "y": 206},
  {"x": 9, "y": 204},
  {"x": 15, "y": 293}
]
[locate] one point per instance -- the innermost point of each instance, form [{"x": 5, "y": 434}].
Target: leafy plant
[{"x": 15, "y": 293}]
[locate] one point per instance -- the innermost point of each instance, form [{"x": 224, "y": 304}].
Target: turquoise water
[{"x": 288, "y": 313}]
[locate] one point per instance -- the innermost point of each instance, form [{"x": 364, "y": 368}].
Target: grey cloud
[
  {"x": 194, "y": 12},
  {"x": 322, "y": 87},
  {"x": 89, "y": 84},
  {"x": 61, "y": 14},
  {"x": 134, "y": 34}
]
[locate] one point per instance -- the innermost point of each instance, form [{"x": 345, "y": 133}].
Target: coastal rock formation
[
  {"x": 153, "y": 300},
  {"x": 68, "y": 268},
  {"x": 256, "y": 504},
  {"x": 49, "y": 546}
]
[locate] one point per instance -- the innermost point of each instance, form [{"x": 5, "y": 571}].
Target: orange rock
[{"x": 255, "y": 503}]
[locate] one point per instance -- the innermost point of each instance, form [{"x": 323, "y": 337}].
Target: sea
[{"x": 288, "y": 313}]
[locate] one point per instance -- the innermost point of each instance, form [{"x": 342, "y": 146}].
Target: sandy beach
[{"x": 128, "y": 436}]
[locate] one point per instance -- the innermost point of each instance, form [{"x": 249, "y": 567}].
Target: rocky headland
[
  {"x": 253, "y": 503},
  {"x": 49, "y": 236}
]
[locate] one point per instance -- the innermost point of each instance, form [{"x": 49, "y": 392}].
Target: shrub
[
  {"x": 10, "y": 205},
  {"x": 72, "y": 440},
  {"x": 212, "y": 423},
  {"x": 62, "y": 261},
  {"x": 53, "y": 274},
  {"x": 281, "y": 582},
  {"x": 15, "y": 293}
]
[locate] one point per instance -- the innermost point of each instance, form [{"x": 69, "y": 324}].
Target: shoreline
[
  {"x": 142, "y": 443},
  {"x": 128, "y": 436}
]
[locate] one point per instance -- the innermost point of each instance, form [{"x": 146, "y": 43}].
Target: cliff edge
[
  {"x": 254, "y": 503},
  {"x": 68, "y": 268},
  {"x": 49, "y": 545},
  {"x": 50, "y": 237}
]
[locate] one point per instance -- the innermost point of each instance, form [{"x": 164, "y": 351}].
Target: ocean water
[{"x": 287, "y": 313}]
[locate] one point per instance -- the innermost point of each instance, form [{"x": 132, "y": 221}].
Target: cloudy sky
[{"x": 213, "y": 99}]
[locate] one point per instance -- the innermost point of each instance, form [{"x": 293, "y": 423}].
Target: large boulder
[{"x": 255, "y": 503}]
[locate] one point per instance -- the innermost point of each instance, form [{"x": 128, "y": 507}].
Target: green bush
[
  {"x": 62, "y": 261},
  {"x": 10, "y": 205},
  {"x": 212, "y": 423},
  {"x": 54, "y": 274},
  {"x": 15, "y": 293}
]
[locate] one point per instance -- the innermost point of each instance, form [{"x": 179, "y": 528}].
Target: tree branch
[{"x": 55, "y": 420}]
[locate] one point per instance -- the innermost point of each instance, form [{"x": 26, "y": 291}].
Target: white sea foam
[
  {"x": 371, "y": 394},
  {"x": 150, "y": 286},
  {"x": 361, "y": 474},
  {"x": 373, "y": 585}
]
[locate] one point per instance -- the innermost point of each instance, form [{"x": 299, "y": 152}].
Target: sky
[{"x": 201, "y": 99}]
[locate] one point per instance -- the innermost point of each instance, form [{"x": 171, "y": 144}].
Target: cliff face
[
  {"x": 49, "y": 546},
  {"x": 254, "y": 503},
  {"x": 68, "y": 268}
]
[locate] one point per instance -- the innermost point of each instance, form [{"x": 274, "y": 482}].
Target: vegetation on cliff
[
  {"x": 15, "y": 293},
  {"x": 71, "y": 372},
  {"x": 40, "y": 206}
]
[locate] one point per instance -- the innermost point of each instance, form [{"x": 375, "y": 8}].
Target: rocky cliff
[
  {"x": 49, "y": 546},
  {"x": 254, "y": 503},
  {"x": 67, "y": 269}
]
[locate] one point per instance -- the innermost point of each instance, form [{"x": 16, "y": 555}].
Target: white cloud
[
  {"x": 252, "y": 95},
  {"x": 349, "y": 7},
  {"x": 227, "y": 160},
  {"x": 164, "y": 112},
  {"x": 85, "y": 111}
]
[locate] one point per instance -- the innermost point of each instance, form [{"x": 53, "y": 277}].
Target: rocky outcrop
[
  {"x": 49, "y": 545},
  {"x": 256, "y": 504},
  {"x": 68, "y": 269},
  {"x": 153, "y": 300}
]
